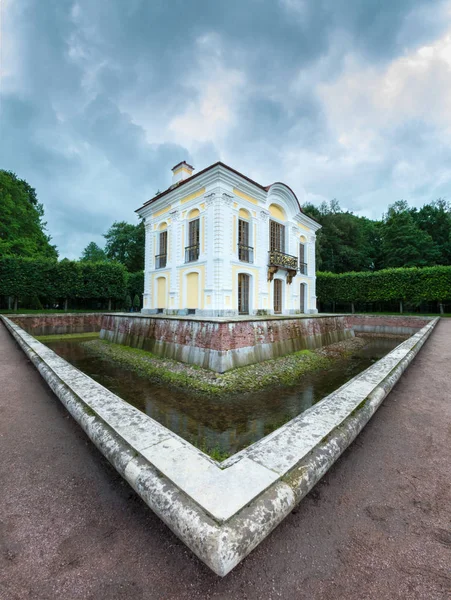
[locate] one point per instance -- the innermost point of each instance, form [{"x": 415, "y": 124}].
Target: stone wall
[
  {"x": 386, "y": 324},
  {"x": 221, "y": 345},
  {"x": 59, "y": 324}
]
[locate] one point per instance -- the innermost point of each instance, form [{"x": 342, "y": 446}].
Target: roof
[{"x": 216, "y": 164}]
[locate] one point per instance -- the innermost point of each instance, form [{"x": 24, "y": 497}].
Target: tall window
[
  {"x": 302, "y": 263},
  {"x": 276, "y": 237},
  {"x": 192, "y": 250},
  {"x": 161, "y": 257},
  {"x": 277, "y": 296},
  {"x": 244, "y": 250}
]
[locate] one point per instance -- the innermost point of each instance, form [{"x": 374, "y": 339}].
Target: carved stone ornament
[
  {"x": 210, "y": 198},
  {"x": 271, "y": 272},
  {"x": 294, "y": 230},
  {"x": 264, "y": 216},
  {"x": 290, "y": 274},
  {"x": 227, "y": 199},
  {"x": 174, "y": 214}
]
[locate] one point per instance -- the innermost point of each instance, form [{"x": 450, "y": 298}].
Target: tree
[
  {"x": 125, "y": 244},
  {"x": 128, "y": 302},
  {"x": 345, "y": 242},
  {"x": 435, "y": 219},
  {"x": 22, "y": 229},
  {"x": 136, "y": 302},
  {"x": 404, "y": 244},
  {"x": 93, "y": 253}
]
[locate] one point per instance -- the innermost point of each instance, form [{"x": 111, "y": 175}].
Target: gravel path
[{"x": 376, "y": 527}]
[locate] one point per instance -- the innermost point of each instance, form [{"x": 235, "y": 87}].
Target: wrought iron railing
[
  {"x": 303, "y": 268},
  {"x": 191, "y": 253},
  {"x": 160, "y": 261},
  {"x": 280, "y": 259},
  {"x": 245, "y": 253}
]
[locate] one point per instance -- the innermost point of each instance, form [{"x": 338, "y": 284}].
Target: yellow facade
[
  {"x": 162, "y": 211},
  {"x": 277, "y": 212},
  {"x": 237, "y": 192},
  {"x": 192, "y": 290},
  {"x": 162, "y": 295},
  {"x": 193, "y": 196},
  {"x": 184, "y": 281}
]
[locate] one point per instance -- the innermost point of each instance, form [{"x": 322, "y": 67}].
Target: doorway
[
  {"x": 243, "y": 294},
  {"x": 302, "y": 297},
  {"x": 277, "y": 296}
]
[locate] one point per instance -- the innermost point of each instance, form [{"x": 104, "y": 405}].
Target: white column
[
  {"x": 147, "y": 264},
  {"x": 311, "y": 270}
]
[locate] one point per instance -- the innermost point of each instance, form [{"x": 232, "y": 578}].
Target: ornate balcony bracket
[
  {"x": 271, "y": 272},
  {"x": 290, "y": 274}
]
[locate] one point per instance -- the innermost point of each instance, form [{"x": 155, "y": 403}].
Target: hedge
[
  {"x": 52, "y": 280},
  {"x": 413, "y": 284}
]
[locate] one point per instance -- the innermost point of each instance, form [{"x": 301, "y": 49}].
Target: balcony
[
  {"x": 160, "y": 261},
  {"x": 280, "y": 259},
  {"x": 191, "y": 253},
  {"x": 303, "y": 268},
  {"x": 245, "y": 253}
]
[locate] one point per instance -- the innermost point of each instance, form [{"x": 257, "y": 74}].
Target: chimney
[{"x": 181, "y": 171}]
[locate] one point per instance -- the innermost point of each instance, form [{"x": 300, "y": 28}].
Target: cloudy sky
[{"x": 337, "y": 98}]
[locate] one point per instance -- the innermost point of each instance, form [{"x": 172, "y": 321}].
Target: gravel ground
[{"x": 376, "y": 527}]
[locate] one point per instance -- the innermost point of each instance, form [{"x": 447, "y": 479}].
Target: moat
[{"x": 222, "y": 426}]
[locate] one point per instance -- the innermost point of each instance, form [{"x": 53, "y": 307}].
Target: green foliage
[
  {"x": 136, "y": 302},
  {"x": 405, "y": 237},
  {"x": 135, "y": 283},
  {"x": 44, "y": 278},
  {"x": 103, "y": 280},
  {"x": 125, "y": 244},
  {"x": 413, "y": 284},
  {"x": 128, "y": 302},
  {"x": 22, "y": 229},
  {"x": 93, "y": 253},
  {"x": 404, "y": 244},
  {"x": 345, "y": 242},
  {"x": 27, "y": 277}
]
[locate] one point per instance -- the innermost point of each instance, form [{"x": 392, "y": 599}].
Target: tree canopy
[
  {"x": 22, "y": 228},
  {"x": 404, "y": 237},
  {"x": 125, "y": 244},
  {"x": 93, "y": 253}
]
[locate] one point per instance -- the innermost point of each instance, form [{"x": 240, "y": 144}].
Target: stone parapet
[{"x": 222, "y": 345}]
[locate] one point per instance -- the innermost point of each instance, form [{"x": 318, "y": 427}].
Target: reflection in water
[{"x": 230, "y": 423}]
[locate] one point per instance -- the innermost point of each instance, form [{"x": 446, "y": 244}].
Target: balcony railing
[
  {"x": 191, "y": 253},
  {"x": 160, "y": 261},
  {"x": 280, "y": 259},
  {"x": 245, "y": 253},
  {"x": 303, "y": 268}
]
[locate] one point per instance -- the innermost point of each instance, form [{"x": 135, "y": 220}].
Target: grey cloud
[{"x": 74, "y": 125}]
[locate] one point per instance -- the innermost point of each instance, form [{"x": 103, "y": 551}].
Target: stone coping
[{"x": 221, "y": 510}]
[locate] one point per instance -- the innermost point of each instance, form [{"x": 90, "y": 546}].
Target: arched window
[
  {"x": 192, "y": 249},
  {"x": 276, "y": 229},
  {"x": 162, "y": 256},
  {"x": 245, "y": 250}
]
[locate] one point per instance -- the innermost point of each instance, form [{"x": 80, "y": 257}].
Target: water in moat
[{"x": 225, "y": 425}]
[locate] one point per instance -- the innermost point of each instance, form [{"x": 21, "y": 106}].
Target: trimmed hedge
[
  {"x": 52, "y": 280},
  {"x": 413, "y": 284}
]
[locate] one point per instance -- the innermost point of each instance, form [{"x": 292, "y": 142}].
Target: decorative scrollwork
[
  {"x": 210, "y": 198},
  {"x": 280, "y": 259}
]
